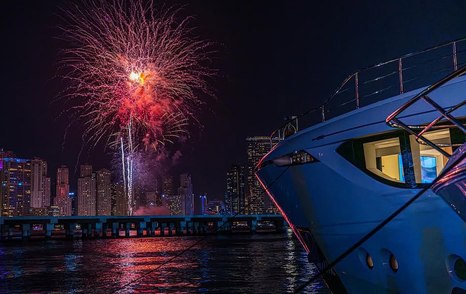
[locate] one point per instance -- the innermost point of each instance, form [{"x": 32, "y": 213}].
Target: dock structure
[{"x": 47, "y": 227}]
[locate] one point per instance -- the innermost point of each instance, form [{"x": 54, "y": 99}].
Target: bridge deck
[{"x": 36, "y": 227}]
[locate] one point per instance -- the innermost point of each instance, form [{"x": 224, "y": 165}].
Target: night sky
[{"x": 274, "y": 59}]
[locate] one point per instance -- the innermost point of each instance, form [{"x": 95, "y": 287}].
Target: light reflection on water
[{"x": 220, "y": 264}]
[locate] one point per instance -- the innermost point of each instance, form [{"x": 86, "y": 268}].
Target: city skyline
[
  {"x": 26, "y": 185},
  {"x": 283, "y": 66}
]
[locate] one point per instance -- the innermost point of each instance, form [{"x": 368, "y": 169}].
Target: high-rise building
[
  {"x": 3, "y": 183},
  {"x": 139, "y": 197},
  {"x": 85, "y": 171},
  {"x": 257, "y": 201},
  {"x": 174, "y": 200},
  {"x": 186, "y": 193},
  {"x": 235, "y": 194},
  {"x": 47, "y": 192},
  {"x": 168, "y": 187},
  {"x": 120, "y": 199},
  {"x": 203, "y": 199},
  {"x": 104, "y": 192},
  {"x": 15, "y": 187},
  {"x": 176, "y": 204},
  {"x": 86, "y": 198},
  {"x": 38, "y": 183},
  {"x": 62, "y": 199}
]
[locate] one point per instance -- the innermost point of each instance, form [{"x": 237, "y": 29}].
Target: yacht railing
[
  {"x": 444, "y": 120},
  {"x": 383, "y": 80}
]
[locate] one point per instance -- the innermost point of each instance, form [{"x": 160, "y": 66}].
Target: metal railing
[
  {"x": 444, "y": 120},
  {"x": 383, "y": 80}
]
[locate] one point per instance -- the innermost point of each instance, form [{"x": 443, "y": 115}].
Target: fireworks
[{"x": 136, "y": 74}]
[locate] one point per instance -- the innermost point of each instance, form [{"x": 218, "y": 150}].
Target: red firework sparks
[{"x": 133, "y": 66}]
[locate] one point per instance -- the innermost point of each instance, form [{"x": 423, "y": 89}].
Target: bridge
[{"x": 48, "y": 227}]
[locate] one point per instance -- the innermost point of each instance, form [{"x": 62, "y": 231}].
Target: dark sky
[{"x": 275, "y": 58}]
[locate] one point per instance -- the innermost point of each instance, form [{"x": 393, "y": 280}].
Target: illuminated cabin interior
[{"x": 390, "y": 157}]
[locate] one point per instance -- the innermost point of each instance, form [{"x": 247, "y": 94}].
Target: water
[{"x": 216, "y": 264}]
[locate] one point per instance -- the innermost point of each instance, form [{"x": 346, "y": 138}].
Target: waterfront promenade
[{"x": 45, "y": 227}]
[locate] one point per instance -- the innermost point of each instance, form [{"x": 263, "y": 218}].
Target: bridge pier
[
  {"x": 189, "y": 227},
  {"x": 253, "y": 225},
  {"x": 97, "y": 232},
  {"x": 127, "y": 229},
  {"x": 85, "y": 228},
  {"x": 115, "y": 226},
  {"x": 69, "y": 230},
  {"x": 219, "y": 225},
  {"x": 170, "y": 229},
  {"x": 152, "y": 228},
  {"x": 224, "y": 225},
  {"x": 179, "y": 228},
  {"x": 48, "y": 230},
  {"x": 104, "y": 230},
  {"x": 162, "y": 229},
  {"x": 26, "y": 231},
  {"x": 140, "y": 228}
]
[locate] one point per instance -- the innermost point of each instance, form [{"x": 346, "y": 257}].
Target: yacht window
[
  {"x": 427, "y": 161},
  {"x": 383, "y": 158}
]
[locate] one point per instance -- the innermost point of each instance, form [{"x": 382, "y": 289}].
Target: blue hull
[{"x": 331, "y": 203}]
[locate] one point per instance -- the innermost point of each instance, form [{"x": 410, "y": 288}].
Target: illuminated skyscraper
[
  {"x": 235, "y": 194},
  {"x": 3, "y": 182},
  {"x": 15, "y": 189},
  {"x": 168, "y": 187},
  {"x": 169, "y": 195},
  {"x": 40, "y": 188},
  {"x": 62, "y": 199},
  {"x": 38, "y": 182},
  {"x": 86, "y": 191},
  {"x": 186, "y": 193},
  {"x": 104, "y": 192},
  {"x": 203, "y": 199},
  {"x": 47, "y": 192},
  {"x": 85, "y": 171},
  {"x": 119, "y": 199},
  {"x": 176, "y": 204},
  {"x": 257, "y": 201}
]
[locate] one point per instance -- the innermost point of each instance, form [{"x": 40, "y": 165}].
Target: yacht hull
[{"x": 331, "y": 203}]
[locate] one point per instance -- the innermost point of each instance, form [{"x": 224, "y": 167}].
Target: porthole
[
  {"x": 393, "y": 263},
  {"x": 365, "y": 258},
  {"x": 389, "y": 260},
  {"x": 369, "y": 261},
  {"x": 456, "y": 267},
  {"x": 460, "y": 268}
]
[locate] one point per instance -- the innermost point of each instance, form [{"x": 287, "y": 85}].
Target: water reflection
[{"x": 241, "y": 263}]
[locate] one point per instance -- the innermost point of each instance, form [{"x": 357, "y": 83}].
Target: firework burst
[{"x": 135, "y": 74}]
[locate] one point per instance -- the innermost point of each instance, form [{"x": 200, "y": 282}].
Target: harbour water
[{"x": 260, "y": 263}]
